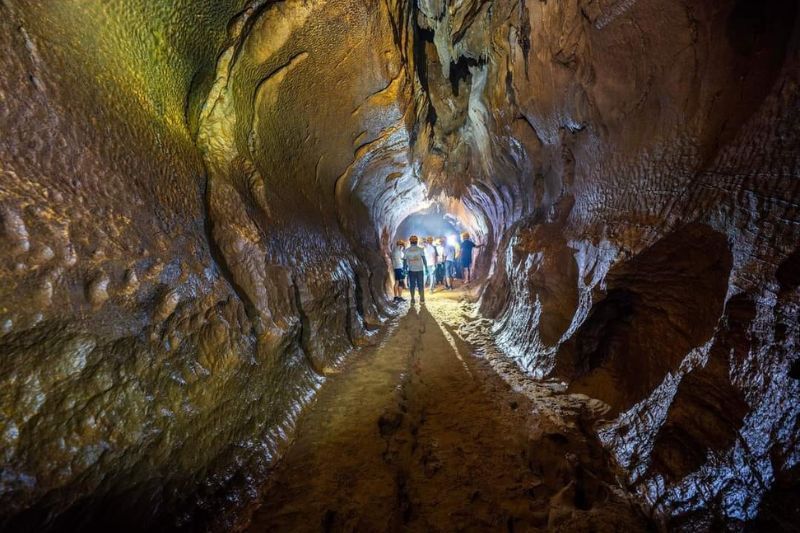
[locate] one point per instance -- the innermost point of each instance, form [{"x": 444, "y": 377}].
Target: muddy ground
[{"x": 426, "y": 432}]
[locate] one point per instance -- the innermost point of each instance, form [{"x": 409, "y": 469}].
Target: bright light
[{"x": 452, "y": 240}]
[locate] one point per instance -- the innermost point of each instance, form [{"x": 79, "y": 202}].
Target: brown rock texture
[
  {"x": 194, "y": 198},
  {"x": 668, "y": 131},
  {"x": 184, "y": 231}
]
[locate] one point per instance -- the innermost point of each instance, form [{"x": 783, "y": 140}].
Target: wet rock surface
[
  {"x": 195, "y": 199},
  {"x": 171, "y": 296},
  {"x": 679, "y": 215}
]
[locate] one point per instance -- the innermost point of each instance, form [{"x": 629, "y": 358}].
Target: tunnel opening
[
  {"x": 430, "y": 222},
  {"x": 444, "y": 225}
]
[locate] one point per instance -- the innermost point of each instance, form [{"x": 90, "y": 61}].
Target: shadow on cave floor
[{"x": 418, "y": 434}]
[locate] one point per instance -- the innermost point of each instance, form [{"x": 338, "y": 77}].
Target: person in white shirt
[
  {"x": 416, "y": 263},
  {"x": 430, "y": 258},
  {"x": 398, "y": 258}
]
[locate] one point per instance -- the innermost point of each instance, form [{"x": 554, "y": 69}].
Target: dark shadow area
[
  {"x": 780, "y": 506},
  {"x": 422, "y": 40},
  {"x": 460, "y": 72},
  {"x": 132, "y": 511},
  {"x": 607, "y": 328},
  {"x": 708, "y": 410},
  {"x": 788, "y": 273},
  {"x": 761, "y": 26},
  {"x": 659, "y": 306},
  {"x": 794, "y": 371},
  {"x": 759, "y": 33}
]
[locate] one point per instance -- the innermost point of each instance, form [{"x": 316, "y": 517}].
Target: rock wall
[
  {"x": 190, "y": 241},
  {"x": 653, "y": 270}
]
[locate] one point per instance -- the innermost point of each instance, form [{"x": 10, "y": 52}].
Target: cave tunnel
[
  {"x": 199, "y": 202},
  {"x": 430, "y": 222}
]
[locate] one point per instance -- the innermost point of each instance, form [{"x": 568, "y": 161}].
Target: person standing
[
  {"x": 398, "y": 259},
  {"x": 415, "y": 261},
  {"x": 430, "y": 258},
  {"x": 441, "y": 258},
  {"x": 467, "y": 246},
  {"x": 449, "y": 262}
]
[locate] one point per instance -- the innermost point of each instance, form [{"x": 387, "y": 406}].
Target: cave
[
  {"x": 200, "y": 209},
  {"x": 430, "y": 222}
]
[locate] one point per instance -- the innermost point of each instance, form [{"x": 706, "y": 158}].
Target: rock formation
[{"x": 194, "y": 197}]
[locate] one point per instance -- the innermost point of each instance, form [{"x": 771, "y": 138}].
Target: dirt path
[{"x": 419, "y": 435}]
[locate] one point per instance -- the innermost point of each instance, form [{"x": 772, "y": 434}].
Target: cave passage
[
  {"x": 430, "y": 223},
  {"x": 199, "y": 202},
  {"x": 419, "y": 434}
]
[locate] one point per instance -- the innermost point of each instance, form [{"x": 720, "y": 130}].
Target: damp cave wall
[
  {"x": 189, "y": 243},
  {"x": 651, "y": 268}
]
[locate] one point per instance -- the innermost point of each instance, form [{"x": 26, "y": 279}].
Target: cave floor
[{"x": 419, "y": 434}]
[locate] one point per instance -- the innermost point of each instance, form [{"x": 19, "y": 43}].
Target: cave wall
[
  {"x": 662, "y": 160},
  {"x": 189, "y": 241}
]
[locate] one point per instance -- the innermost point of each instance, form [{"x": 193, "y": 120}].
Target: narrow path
[{"x": 419, "y": 435}]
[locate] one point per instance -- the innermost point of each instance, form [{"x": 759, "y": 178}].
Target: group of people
[{"x": 434, "y": 261}]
